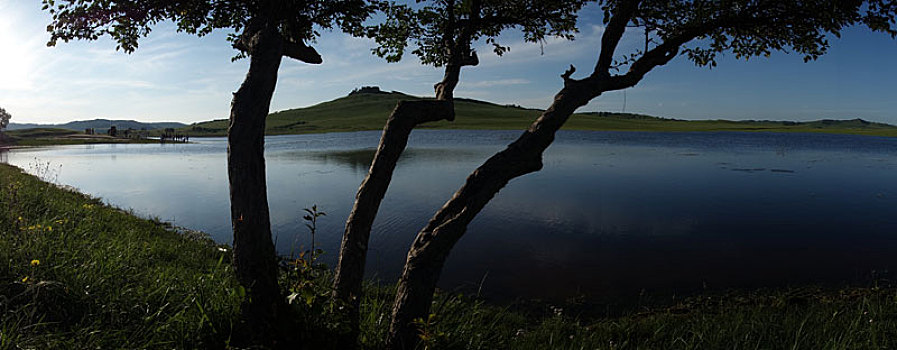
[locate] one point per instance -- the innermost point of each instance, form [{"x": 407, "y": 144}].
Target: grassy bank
[
  {"x": 369, "y": 111},
  {"x": 51, "y": 137},
  {"x": 76, "y": 274}
]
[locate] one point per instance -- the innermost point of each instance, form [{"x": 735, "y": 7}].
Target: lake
[{"x": 612, "y": 214}]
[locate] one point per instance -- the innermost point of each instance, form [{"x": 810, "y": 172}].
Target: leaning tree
[
  {"x": 441, "y": 33},
  {"x": 697, "y": 30},
  {"x": 263, "y": 31}
]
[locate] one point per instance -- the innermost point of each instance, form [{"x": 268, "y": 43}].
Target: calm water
[{"x": 611, "y": 214}]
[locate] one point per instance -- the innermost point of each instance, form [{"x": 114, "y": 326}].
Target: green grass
[
  {"x": 369, "y": 112},
  {"x": 807, "y": 318},
  {"x": 76, "y": 274}
]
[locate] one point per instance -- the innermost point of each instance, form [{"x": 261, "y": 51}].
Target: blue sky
[{"x": 178, "y": 77}]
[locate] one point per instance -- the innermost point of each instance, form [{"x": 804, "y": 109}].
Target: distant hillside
[
  {"x": 100, "y": 124},
  {"x": 367, "y": 109}
]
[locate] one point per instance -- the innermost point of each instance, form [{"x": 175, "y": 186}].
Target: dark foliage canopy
[
  {"x": 440, "y": 29},
  {"x": 748, "y": 28},
  {"x": 126, "y": 21}
]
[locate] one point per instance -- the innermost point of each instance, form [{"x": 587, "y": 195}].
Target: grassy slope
[
  {"x": 369, "y": 112},
  {"x": 77, "y": 274}
]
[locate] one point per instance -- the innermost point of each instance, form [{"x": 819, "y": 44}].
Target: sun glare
[{"x": 15, "y": 54}]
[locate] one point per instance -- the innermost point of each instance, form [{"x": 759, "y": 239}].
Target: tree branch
[
  {"x": 470, "y": 59},
  {"x": 669, "y": 48},
  {"x": 301, "y": 52},
  {"x": 612, "y": 35},
  {"x": 466, "y": 56},
  {"x": 247, "y": 41},
  {"x": 449, "y": 35}
]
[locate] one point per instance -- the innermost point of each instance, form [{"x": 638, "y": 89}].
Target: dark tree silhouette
[
  {"x": 263, "y": 31},
  {"x": 442, "y": 33},
  {"x": 698, "y": 30},
  {"x": 4, "y": 122},
  {"x": 4, "y": 118}
]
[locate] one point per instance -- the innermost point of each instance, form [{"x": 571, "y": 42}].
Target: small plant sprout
[
  {"x": 311, "y": 222},
  {"x": 306, "y": 273}
]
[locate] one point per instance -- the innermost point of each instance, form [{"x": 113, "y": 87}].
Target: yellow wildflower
[
  {"x": 35, "y": 262},
  {"x": 20, "y": 219},
  {"x": 49, "y": 228},
  {"x": 25, "y": 279}
]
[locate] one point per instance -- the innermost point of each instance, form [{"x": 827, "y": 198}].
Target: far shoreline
[
  {"x": 43, "y": 142},
  {"x": 855, "y": 132}
]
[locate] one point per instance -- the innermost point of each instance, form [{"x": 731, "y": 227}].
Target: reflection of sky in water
[{"x": 610, "y": 213}]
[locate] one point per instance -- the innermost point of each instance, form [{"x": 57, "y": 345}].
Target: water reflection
[
  {"x": 611, "y": 214},
  {"x": 360, "y": 159}
]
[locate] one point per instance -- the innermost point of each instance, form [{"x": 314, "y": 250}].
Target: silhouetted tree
[
  {"x": 441, "y": 33},
  {"x": 263, "y": 31},
  {"x": 698, "y": 30},
  {"x": 4, "y": 122},
  {"x": 4, "y": 119}
]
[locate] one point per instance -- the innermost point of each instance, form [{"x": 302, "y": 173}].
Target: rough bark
[
  {"x": 353, "y": 250},
  {"x": 254, "y": 256},
  {"x": 445, "y": 89},
  {"x": 460, "y": 54}
]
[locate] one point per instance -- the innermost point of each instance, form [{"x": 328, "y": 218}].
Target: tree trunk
[
  {"x": 433, "y": 244},
  {"x": 404, "y": 118},
  {"x": 445, "y": 89},
  {"x": 353, "y": 251},
  {"x": 254, "y": 256}
]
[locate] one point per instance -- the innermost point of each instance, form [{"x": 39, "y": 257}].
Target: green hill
[{"x": 369, "y": 110}]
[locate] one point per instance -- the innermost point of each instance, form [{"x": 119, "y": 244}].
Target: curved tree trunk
[
  {"x": 433, "y": 244},
  {"x": 353, "y": 249},
  {"x": 254, "y": 256}
]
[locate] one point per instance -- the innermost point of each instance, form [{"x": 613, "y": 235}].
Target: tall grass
[{"x": 75, "y": 273}]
